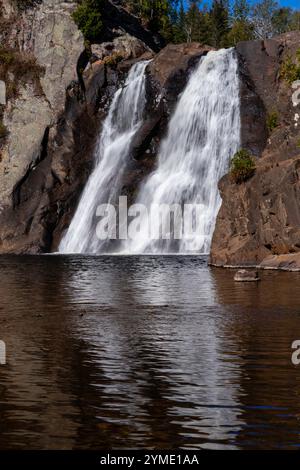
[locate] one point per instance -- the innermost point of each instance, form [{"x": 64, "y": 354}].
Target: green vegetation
[
  {"x": 156, "y": 15},
  {"x": 242, "y": 166},
  {"x": 113, "y": 59},
  {"x": 290, "y": 69},
  {"x": 222, "y": 23},
  {"x": 87, "y": 16},
  {"x": 272, "y": 121},
  {"x": 218, "y": 23}
]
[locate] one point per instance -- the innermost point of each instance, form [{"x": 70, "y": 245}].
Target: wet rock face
[{"x": 260, "y": 219}]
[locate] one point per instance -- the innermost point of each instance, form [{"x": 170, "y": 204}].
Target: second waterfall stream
[{"x": 203, "y": 134}]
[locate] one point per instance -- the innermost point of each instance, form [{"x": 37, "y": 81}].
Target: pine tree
[
  {"x": 241, "y": 27},
  {"x": 219, "y": 16},
  {"x": 282, "y": 20},
  {"x": 179, "y": 34},
  {"x": 241, "y": 10}
]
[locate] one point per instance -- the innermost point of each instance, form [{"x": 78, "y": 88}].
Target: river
[{"x": 146, "y": 352}]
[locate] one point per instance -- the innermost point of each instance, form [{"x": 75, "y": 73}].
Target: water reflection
[{"x": 146, "y": 352}]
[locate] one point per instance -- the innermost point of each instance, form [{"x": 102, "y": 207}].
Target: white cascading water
[
  {"x": 204, "y": 133},
  {"x": 112, "y": 151}
]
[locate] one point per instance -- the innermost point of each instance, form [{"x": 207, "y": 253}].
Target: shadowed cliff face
[{"x": 260, "y": 219}]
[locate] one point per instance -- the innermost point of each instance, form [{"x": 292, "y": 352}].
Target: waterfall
[
  {"x": 111, "y": 156},
  {"x": 203, "y": 134}
]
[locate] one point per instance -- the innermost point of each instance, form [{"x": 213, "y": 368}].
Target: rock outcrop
[
  {"x": 259, "y": 221},
  {"x": 40, "y": 47}
]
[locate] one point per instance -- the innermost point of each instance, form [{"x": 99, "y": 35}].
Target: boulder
[
  {"x": 125, "y": 46},
  {"x": 246, "y": 276}
]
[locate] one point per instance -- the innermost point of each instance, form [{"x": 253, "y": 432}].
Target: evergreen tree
[
  {"x": 282, "y": 20},
  {"x": 241, "y": 27},
  {"x": 155, "y": 14},
  {"x": 241, "y": 10},
  {"x": 193, "y": 22},
  {"x": 179, "y": 34},
  {"x": 295, "y": 21},
  {"x": 219, "y": 16},
  {"x": 241, "y": 30}
]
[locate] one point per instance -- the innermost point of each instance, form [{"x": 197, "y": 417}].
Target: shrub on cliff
[
  {"x": 242, "y": 166},
  {"x": 113, "y": 59},
  {"x": 272, "y": 121},
  {"x": 87, "y": 16},
  {"x": 290, "y": 69}
]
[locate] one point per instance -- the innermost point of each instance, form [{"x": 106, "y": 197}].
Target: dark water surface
[{"x": 144, "y": 352}]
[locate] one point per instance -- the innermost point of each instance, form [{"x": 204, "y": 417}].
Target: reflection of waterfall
[
  {"x": 159, "y": 349},
  {"x": 103, "y": 186},
  {"x": 203, "y": 134}
]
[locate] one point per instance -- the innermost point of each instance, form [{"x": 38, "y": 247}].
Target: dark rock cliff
[{"x": 259, "y": 220}]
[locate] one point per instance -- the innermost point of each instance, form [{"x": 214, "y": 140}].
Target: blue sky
[
  {"x": 291, "y": 3},
  {"x": 284, "y": 3}
]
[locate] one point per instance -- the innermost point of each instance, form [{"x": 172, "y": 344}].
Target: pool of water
[{"x": 146, "y": 352}]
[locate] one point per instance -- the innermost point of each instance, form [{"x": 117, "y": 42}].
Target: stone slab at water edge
[{"x": 246, "y": 276}]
